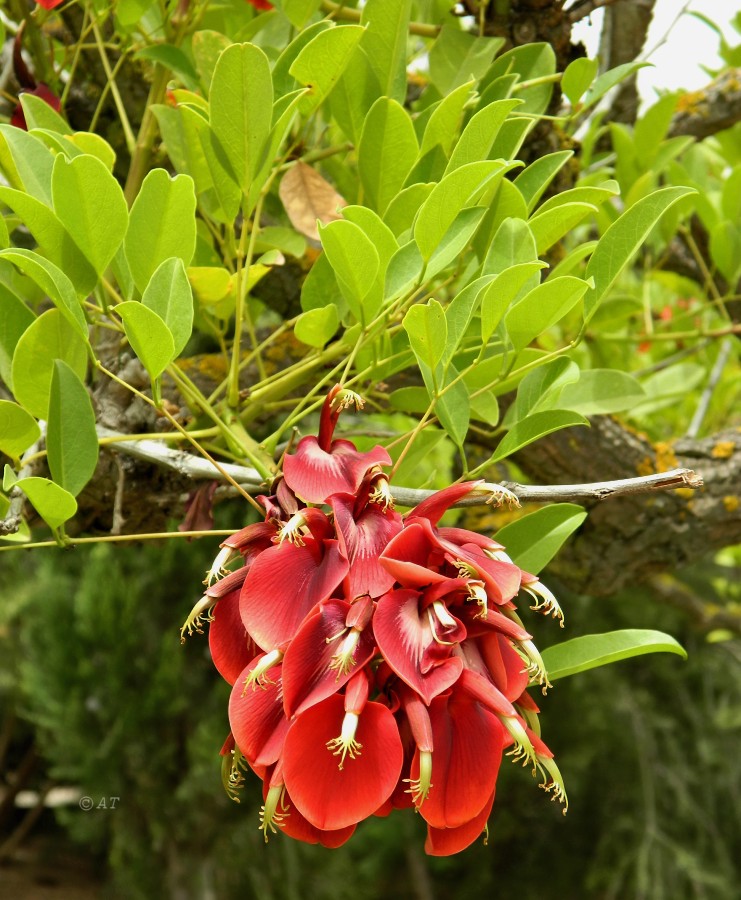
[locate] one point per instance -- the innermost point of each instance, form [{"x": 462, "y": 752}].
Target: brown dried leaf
[{"x": 307, "y": 196}]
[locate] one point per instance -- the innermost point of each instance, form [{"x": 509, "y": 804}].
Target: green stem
[
  {"x": 142, "y": 153},
  {"x": 346, "y": 14},
  {"x": 120, "y": 107},
  {"x": 113, "y": 538}
]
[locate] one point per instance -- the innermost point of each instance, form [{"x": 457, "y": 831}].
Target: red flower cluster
[{"x": 376, "y": 662}]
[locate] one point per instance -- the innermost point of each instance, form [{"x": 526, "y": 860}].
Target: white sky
[{"x": 688, "y": 44}]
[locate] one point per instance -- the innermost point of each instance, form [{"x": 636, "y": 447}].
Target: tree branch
[
  {"x": 711, "y": 109},
  {"x": 194, "y": 467}
]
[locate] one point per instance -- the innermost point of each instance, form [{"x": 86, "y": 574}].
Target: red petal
[
  {"x": 231, "y": 647},
  {"x": 434, "y": 507},
  {"x": 405, "y": 639},
  {"x": 414, "y": 556},
  {"x": 363, "y": 540},
  {"x": 315, "y": 474},
  {"x": 465, "y": 760},
  {"x": 50, "y": 4},
  {"x": 446, "y": 841},
  {"x": 307, "y": 677},
  {"x": 331, "y": 797},
  {"x": 299, "y": 828},
  {"x": 284, "y": 584},
  {"x": 502, "y": 579},
  {"x": 505, "y": 665},
  {"x": 256, "y": 717}
]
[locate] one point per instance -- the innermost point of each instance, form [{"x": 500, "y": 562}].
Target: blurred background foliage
[{"x": 94, "y": 672}]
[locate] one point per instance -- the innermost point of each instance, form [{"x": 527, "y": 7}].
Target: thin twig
[
  {"x": 193, "y": 467},
  {"x": 707, "y": 394},
  {"x": 585, "y": 8}
]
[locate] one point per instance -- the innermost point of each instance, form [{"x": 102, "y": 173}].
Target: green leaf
[
  {"x": 533, "y": 427},
  {"x": 385, "y": 44},
  {"x": 47, "y": 338},
  {"x": 169, "y": 295},
  {"x": 533, "y": 180},
  {"x": 444, "y": 123},
  {"x": 542, "y": 308},
  {"x": 94, "y": 145},
  {"x": 39, "y": 114},
  {"x": 550, "y": 226},
  {"x": 173, "y": 58},
  {"x": 405, "y": 206},
  {"x": 388, "y": 149},
  {"x": 316, "y": 326},
  {"x": 207, "y": 46},
  {"x": 453, "y": 409},
  {"x": 457, "y": 190},
  {"x": 26, "y": 162},
  {"x": 578, "y": 76},
  {"x": 322, "y": 61},
  {"x": 480, "y": 133},
  {"x": 90, "y": 204},
  {"x": 455, "y": 240},
  {"x": 148, "y": 335},
  {"x": 542, "y": 387},
  {"x": 298, "y": 12},
  {"x": 355, "y": 261},
  {"x": 622, "y": 239},
  {"x": 592, "y": 650},
  {"x": 594, "y": 194},
  {"x": 228, "y": 192},
  {"x": 513, "y": 244},
  {"x": 460, "y": 311},
  {"x": 457, "y": 56},
  {"x": 71, "y": 440},
  {"x": 15, "y": 317},
  {"x": 428, "y": 332},
  {"x": 725, "y": 249},
  {"x": 533, "y": 540},
  {"x": 532, "y": 62},
  {"x": 607, "y": 81},
  {"x": 353, "y": 95},
  {"x": 404, "y": 271},
  {"x": 52, "y": 237},
  {"x": 502, "y": 292},
  {"x": 241, "y": 101},
  {"x": 18, "y": 429},
  {"x": 602, "y": 391},
  {"x": 161, "y": 224},
  {"x": 53, "y": 503},
  {"x": 53, "y": 282}
]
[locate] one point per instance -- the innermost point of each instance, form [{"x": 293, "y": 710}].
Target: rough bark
[
  {"x": 623, "y": 35},
  {"x": 631, "y": 539},
  {"x": 711, "y": 109}
]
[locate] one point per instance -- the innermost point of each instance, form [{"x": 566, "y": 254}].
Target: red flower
[
  {"x": 376, "y": 662},
  {"x": 51, "y": 4},
  {"x": 258, "y": 4}
]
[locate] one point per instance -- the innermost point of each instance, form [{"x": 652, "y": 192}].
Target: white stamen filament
[
  {"x": 218, "y": 566},
  {"x": 420, "y": 787},
  {"x": 346, "y": 742},
  {"x": 291, "y": 530},
  {"x": 545, "y": 602},
  {"x": 477, "y": 592},
  {"x": 269, "y": 815},
  {"x": 343, "y": 661},
  {"x": 200, "y": 613},
  {"x": 534, "y": 665},
  {"x": 381, "y": 493},
  {"x": 434, "y": 615},
  {"x": 500, "y": 495},
  {"x": 523, "y": 750},
  {"x": 258, "y": 676},
  {"x": 555, "y": 786}
]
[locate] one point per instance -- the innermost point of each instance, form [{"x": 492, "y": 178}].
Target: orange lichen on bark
[{"x": 723, "y": 450}]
